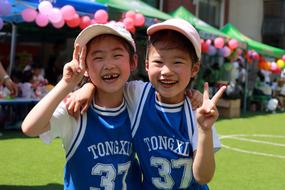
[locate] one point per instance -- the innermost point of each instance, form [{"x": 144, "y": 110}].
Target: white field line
[{"x": 239, "y": 137}]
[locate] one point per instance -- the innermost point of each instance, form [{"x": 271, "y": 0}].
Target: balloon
[
  {"x": 227, "y": 51},
  {"x": 209, "y": 41},
  {"x": 29, "y": 14},
  {"x": 273, "y": 66},
  {"x": 101, "y": 16},
  {"x": 130, "y": 14},
  {"x": 55, "y": 15},
  {"x": 59, "y": 24},
  {"x": 129, "y": 23},
  {"x": 45, "y": 7},
  {"x": 1, "y": 23},
  {"x": 67, "y": 12},
  {"x": 233, "y": 44},
  {"x": 219, "y": 42},
  {"x": 255, "y": 55},
  {"x": 212, "y": 50},
  {"x": 139, "y": 19},
  {"x": 42, "y": 20},
  {"x": 84, "y": 22},
  {"x": 205, "y": 47},
  {"x": 5, "y": 8},
  {"x": 74, "y": 22},
  {"x": 280, "y": 63},
  {"x": 283, "y": 57}
]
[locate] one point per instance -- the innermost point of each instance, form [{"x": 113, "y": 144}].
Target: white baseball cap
[
  {"x": 181, "y": 26},
  {"x": 94, "y": 30}
]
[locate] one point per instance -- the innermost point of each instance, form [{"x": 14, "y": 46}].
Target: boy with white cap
[{"x": 98, "y": 146}]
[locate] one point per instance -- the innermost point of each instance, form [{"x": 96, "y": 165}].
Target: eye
[
  {"x": 157, "y": 61},
  {"x": 118, "y": 55},
  {"x": 97, "y": 58},
  {"x": 178, "y": 62}
]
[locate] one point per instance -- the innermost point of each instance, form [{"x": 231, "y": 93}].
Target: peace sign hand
[
  {"x": 208, "y": 113},
  {"x": 74, "y": 70}
]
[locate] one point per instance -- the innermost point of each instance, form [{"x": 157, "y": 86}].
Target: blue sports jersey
[
  {"x": 101, "y": 154},
  {"x": 162, "y": 136}
]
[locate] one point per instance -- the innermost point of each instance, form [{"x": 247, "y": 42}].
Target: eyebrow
[{"x": 100, "y": 51}]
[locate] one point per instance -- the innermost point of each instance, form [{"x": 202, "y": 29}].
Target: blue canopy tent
[{"x": 82, "y": 6}]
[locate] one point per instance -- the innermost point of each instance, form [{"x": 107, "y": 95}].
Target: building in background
[{"x": 261, "y": 20}]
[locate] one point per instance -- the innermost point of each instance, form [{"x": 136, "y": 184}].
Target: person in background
[{"x": 6, "y": 81}]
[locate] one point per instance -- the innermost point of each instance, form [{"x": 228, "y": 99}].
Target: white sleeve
[
  {"x": 61, "y": 125},
  {"x": 132, "y": 92},
  {"x": 216, "y": 139}
]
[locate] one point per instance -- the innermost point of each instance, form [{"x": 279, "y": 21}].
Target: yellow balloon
[{"x": 280, "y": 63}]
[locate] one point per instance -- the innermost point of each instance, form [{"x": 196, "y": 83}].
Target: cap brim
[{"x": 92, "y": 31}]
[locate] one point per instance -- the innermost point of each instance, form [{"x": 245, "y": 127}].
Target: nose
[
  {"x": 109, "y": 64},
  {"x": 165, "y": 70}
]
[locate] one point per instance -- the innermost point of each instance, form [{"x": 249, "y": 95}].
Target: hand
[
  {"x": 74, "y": 70},
  {"x": 196, "y": 98},
  {"x": 12, "y": 87},
  {"x": 79, "y": 100},
  {"x": 208, "y": 113}
]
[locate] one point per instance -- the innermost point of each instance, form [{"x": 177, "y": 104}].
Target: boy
[{"x": 99, "y": 150}]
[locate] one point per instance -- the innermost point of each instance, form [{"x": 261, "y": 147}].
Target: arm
[
  {"x": 6, "y": 80},
  {"x": 37, "y": 121},
  {"x": 80, "y": 100},
  {"x": 204, "y": 160}
]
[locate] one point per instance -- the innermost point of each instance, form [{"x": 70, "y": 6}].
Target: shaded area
[{"x": 51, "y": 186}]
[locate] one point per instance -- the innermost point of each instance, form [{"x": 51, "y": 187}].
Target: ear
[
  {"x": 86, "y": 70},
  {"x": 146, "y": 65},
  {"x": 134, "y": 63},
  {"x": 195, "y": 69}
]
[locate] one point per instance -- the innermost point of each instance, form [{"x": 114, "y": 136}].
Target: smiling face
[
  {"x": 170, "y": 67},
  {"x": 108, "y": 64}
]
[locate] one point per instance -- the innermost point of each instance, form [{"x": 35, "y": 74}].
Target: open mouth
[
  {"x": 167, "y": 82},
  {"x": 110, "y": 76}
]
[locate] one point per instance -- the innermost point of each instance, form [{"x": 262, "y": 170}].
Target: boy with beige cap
[{"x": 98, "y": 146}]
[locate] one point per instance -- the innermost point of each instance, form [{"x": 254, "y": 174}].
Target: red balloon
[
  {"x": 84, "y": 22},
  {"x": 139, "y": 19},
  {"x": 74, "y": 22},
  {"x": 101, "y": 16}
]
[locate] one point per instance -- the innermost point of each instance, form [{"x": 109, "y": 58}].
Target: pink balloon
[
  {"x": 283, "y": 57},
  {"x": 67, "y": 12},
  {"x": 101, "y": 16},
  {"x": 5, "y": 8},
  {"x": 1, "y": 23},
  {"x": 42, "y": 20},
  {"x": 255, "y": 56},
  {"x": 29, "y": 14},
  {"x": 130, "y": 14},
  {"x": 129, "y": 23},
  {"x": 84, "y": 22},
  {"x": 45, "y": 7},
  {"x": 55, "y": 15},
  {"x": 233, "y": 44},
  {"x": 219, "y": 42},
  {"x": 209, "y": 41},
  {"x": 59, "y": 24},
  {"x": 139, "y": 19}
]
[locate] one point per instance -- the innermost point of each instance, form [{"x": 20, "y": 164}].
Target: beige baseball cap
[
  {"x": 94, "y": 30},
  {"x": 181, "y": 26}
]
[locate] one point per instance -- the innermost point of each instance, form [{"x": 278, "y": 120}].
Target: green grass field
[{"x": 253, "y": 157}]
